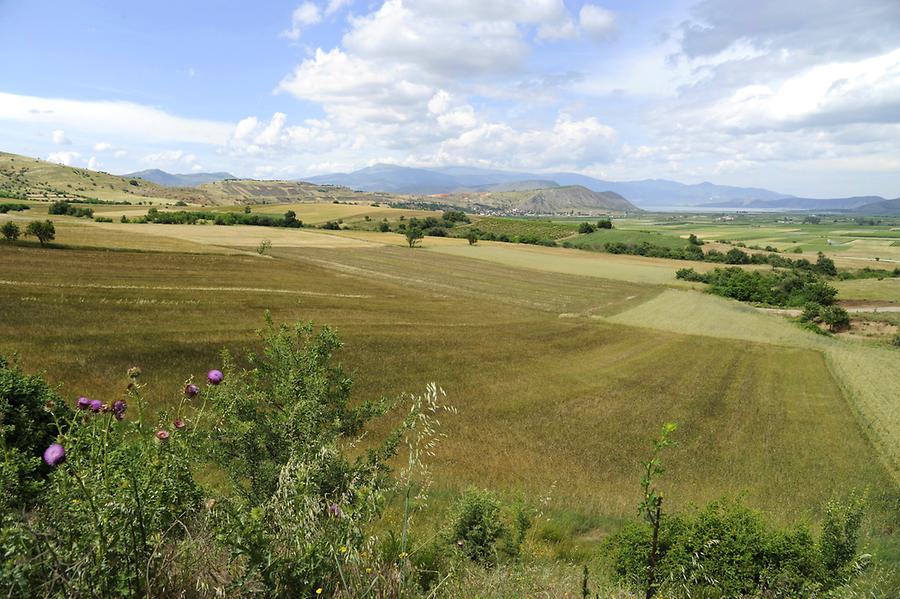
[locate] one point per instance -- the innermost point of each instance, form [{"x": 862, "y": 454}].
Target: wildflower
[
  {"x": 210, "y": 504},
  {"x": 403, "y": 555},
  {"x": 96, "y": 405},
  {"x": 54, "y": 454},
  {"x": 119, "y": 408},
  {"x": 162, "y": 435},
  {"x": 343, "y": 549},
  {"x": 83, "y": 403},
  {"x": 134, "y": 372},
  {"x": 179, "y": 423},
  {"x": 215, "y": 377},
  {"x": 191, "y": 390},
  {"x": 319, "y": 591},
  {"x": 334, "y": 510}
]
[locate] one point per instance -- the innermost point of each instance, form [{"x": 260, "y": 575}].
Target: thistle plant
[{"x": 650, "y": 506}]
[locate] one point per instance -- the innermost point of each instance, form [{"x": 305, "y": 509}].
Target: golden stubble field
[{"x": 560, "y": 370}]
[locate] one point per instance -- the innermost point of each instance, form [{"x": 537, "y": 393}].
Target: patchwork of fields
[{"x": 554, "y": 357}]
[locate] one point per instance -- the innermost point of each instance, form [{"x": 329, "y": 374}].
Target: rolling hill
[
  {"x": 881, "y": 208},
  {"x": 183, "y": 180},
  {"x": 571, "y": 199}
]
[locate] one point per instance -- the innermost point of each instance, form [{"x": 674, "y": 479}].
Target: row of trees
[{"x": 44, "y": 231}]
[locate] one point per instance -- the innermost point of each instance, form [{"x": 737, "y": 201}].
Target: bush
[
  {"x": 836, "y": 318},
  {"x": 586, "y": 227},
  {"x": 122, "y": 515},
  {"x": 10, "y": 231},
  {"x": 9, "y": 207},
  {"x": 30, "y": 412},
  {"x": 484, "y": 529},
  {"x": 728, "y": 550},
  {"x": 64, "y": 208},
  {"x": 384, "y": 227}
]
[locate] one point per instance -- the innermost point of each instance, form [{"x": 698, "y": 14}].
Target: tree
[
  {"x": 43, "y": 230},
  {"x": 604, "y": 224},
  {"x": 472, "y": 237},
  {"x": 836, "y": 318},
  {"x": 246, "y": 209},
  {"x": 694, "y": 240},
  {"x": 384, "y": 227},
  {"x": 825, "y": 265},
  {"x": 413, "y": 236},
  {"x": 10, "y": 231},
  {"x": 585, "y": 228}
]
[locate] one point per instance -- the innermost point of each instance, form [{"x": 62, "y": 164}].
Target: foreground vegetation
[
  {"x": 559, "y": 380},
  {"x": 293, "y": 509}
]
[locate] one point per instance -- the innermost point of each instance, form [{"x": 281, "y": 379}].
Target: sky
[{"x": 798, "y": 96}]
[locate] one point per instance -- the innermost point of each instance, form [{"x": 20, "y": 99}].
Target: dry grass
[
  {"x": 868, "y": 375},
  {"x": 541, "y": 398}
]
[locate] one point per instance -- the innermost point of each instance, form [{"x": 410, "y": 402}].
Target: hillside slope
[
  {"x": 154, "y": 175},
  {"x": 881, "y": 208},
  {"x": 31, "y": 178},
  {"x": 572, "y": 199}
]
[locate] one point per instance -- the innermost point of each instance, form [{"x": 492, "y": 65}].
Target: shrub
[
  {"x": 384, "y": 227},
  {"x": 586, "y": 227},
  {"x": 728, "y": 550},
  {"x": 475, "y": 525},
  {"x": 604, "y": 224},
  {"x": 836, "y": 318},
  {"x": 120, "y": 514},
  {"x": 10, "y": 231},
  {"x": 9, "y": 207},
  {"x": 895, "y": 341},
  {"x": 30, "y": 411}
]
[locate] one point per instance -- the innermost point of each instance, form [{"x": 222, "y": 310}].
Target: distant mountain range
[
  {"x": 159, "y": 177},
  {"x": 648, "y": 193}
]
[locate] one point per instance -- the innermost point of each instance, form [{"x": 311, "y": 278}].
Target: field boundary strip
[{"x": 182, "y": 288}]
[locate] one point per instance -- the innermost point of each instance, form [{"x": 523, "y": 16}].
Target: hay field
[{"x": 547, "y": 392}]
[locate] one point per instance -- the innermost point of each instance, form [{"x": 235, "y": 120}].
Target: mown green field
[
  {"x": 562, "y": 363},
  {"x": 598, "y": 239},
  {"x": 517, "y": 227}
]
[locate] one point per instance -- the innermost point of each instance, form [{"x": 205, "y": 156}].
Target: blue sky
[{"x": 802, "y": 97}]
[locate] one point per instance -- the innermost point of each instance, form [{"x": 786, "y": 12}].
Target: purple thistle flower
[
  {"x": 54, "y": 454},
  {"x": 83, "y": 403},
  {"x": 119, "y": 408},
  {"x": 191, "y": 390},
  {"x": 179, "y": 423},
  {"x": 162, "y": 435},
  {"x": 215, "y": 377},
  {"x": 334, "y": 510},
  {"x": 96, "y": 405}
]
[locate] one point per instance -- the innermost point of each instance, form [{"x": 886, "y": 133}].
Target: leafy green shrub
[
  {"x": 121, "y": 513},
  {"x": 10, "y": 231},
  {"x": 12, "y": 207},
  {"x": 586, "y": 227},
  {"x": 895, "y": 341},
  {"x": 728, "y": 550},
  {"x": 29, "y": 410},
  {"x": 475, "y": 525},
  {"x": 836, "y": 318},
  {"x": 484, "y": 529}
]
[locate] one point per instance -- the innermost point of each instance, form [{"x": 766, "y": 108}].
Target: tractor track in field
[{"x": 181, "y": 288}]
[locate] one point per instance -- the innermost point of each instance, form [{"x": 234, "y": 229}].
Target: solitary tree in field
[
  {"x": 413, "y": 236},
  {"x": 472, "y": 237},
  {"x": 10, "y": 231},
  {"x": 43, "y": 230}
]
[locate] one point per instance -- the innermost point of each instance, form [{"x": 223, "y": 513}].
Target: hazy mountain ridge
[
  {"x": 161, "y": 177},
  {"x": 646, "y": 193}
]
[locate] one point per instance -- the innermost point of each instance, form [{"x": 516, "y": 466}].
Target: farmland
[{"x": 561, "y": 362}]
